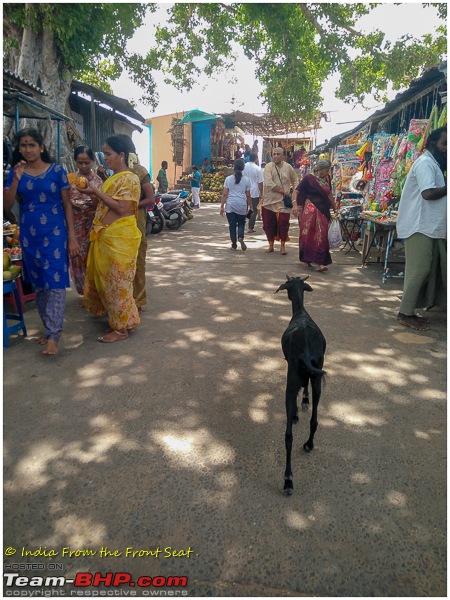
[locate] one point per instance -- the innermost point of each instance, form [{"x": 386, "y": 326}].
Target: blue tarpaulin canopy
[{"x": 195, "y": 116}]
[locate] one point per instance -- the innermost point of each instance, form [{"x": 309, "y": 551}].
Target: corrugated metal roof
[
  {"x": 21, "y": 81},
  {"x": 119, "y": 104}
]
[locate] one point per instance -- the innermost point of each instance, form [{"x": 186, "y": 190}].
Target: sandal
[
  {"x": 269, "y": 249},
  {"x": 413, "y": 322},
  {"x": 113, "y": 336},
  {"x": 283, "y": 250},
  {"x": 322, "y": 269}
]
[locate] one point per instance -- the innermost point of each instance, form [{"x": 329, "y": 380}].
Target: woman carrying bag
[{"x": 313, "y": 209}]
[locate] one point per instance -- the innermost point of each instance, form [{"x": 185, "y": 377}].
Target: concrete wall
[{"x": 161, "y": 143}]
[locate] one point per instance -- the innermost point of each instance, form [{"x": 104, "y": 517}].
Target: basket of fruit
[{"x": 10, "y": 271}]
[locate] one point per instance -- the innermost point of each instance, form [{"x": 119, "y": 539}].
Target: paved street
[{"x": 174, "y": 438}]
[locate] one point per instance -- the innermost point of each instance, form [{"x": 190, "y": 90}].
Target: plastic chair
[{"x": 8, "y": 287}]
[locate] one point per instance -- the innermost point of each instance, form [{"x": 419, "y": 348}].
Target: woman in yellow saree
[{"x": 115, "y": 239}]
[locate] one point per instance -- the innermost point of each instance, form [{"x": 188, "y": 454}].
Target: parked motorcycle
[
  {"x": 171, "y": 206},
  {"x": 155, "y": 220},
  {"x": 187, "y": 209}
]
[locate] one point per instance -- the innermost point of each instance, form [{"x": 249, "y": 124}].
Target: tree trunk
[{"x": 39, "y": 64}]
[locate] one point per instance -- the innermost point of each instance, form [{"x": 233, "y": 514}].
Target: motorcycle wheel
[
  {"x": 155, "y": 227},
  {"x": 188, "y": 213},
  {"x": 174, "y": 223}
]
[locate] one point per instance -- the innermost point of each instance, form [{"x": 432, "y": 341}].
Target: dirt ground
[{"x": 173, "y": 440}]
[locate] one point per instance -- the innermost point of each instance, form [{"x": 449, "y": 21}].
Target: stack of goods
[
  {"x": 11, "y": 240},
  {"x": 387, "y": 218},
  {"x": 382, "y": 165},
  {"x": 10, "y": 271},
  {"x": 212, "y": 186},
  {"x": 346, "y": 165}
]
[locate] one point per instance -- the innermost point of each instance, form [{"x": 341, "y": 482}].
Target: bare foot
[
  {"x": 51, "y": 348},
  {"x": 283, "y": 250},
  {"x": 269, "y": 249},
  {"x": 42, "y": 340},
  {"x": 322, "y": 269},
  {"x": 113, "y": 336}
]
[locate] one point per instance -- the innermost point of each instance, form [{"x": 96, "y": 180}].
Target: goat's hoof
[
  {"x": 295, "y": 419},
  {"x": 308, "y": 447},
  {"x": 288, "y": 487}
]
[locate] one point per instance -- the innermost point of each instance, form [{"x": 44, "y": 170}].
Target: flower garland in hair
[{"x": 132, "y": 160}]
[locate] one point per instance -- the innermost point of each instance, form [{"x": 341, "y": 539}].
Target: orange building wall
[{"x": 162, "y": 147}]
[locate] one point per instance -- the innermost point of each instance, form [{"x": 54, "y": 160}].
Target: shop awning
[
  {"x": 194, "y": 116},
  {"x": 20, "y": 106}
]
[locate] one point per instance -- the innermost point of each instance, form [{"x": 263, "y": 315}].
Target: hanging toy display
[{"x": 443, "y": 117}]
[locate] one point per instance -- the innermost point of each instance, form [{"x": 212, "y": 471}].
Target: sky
[{"x": 217, "y": 96}]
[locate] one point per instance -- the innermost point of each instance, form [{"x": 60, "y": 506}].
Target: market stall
[{"x": 371, "y": 163}]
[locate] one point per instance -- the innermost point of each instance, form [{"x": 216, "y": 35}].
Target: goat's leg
[
  {"x": 316, "y": 384},
  {"x": 305, "y": 399},
  {"x": 292, "y": 389}
]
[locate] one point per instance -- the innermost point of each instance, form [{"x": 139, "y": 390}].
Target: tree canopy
[
  {"x": 295, "y": 47},
  {"x": 96, "y": 53}
]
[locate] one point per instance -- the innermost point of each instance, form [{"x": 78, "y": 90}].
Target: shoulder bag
[{"x": 287, "y": 201}]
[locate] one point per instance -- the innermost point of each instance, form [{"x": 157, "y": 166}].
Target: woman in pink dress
[{"x": 84, "y": 207}]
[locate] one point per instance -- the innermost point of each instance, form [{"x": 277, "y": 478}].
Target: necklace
[{"x": 321, "y": 180}]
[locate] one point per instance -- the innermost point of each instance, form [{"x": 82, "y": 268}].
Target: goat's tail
[
  {"x": 320, "y": 372},
  {"x": 314, "y": 371}
]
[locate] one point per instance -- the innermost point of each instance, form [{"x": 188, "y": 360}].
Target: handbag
[
  {"x": 334, "y": 235},
  {"x": 287, "y": 200}
]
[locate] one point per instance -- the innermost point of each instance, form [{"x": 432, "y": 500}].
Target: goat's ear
[
  {"x": 307, "y": 287},
  {"x": 282, "y": 287}
]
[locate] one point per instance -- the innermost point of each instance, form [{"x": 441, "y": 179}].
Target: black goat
[{"x": 303, "y": 347}]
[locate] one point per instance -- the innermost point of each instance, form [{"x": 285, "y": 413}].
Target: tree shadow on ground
[{"x": 175, "y": 438}]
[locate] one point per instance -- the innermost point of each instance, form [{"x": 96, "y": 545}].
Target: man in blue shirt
[{"x": 195, "y": 186}]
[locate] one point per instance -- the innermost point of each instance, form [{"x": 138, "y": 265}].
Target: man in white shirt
[
  {"x": 422, "y": 223},
  {"x": 256, "y": 176}
]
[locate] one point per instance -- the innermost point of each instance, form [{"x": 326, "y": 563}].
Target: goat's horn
[
  {"x": 305, "y": 278},
  {"x": 288, "y": 278}
]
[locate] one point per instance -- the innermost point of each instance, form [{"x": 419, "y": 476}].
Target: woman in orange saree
[{"x": 115, "y": 239}]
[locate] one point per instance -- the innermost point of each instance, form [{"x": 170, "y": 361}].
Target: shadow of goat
[{"x": 303, "y": 347}]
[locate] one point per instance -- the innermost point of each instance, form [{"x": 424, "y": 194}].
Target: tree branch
[{"x": 323, "y": 34}]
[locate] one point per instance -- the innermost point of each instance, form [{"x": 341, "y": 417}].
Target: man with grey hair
[{"x": 279, "y": 178}]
